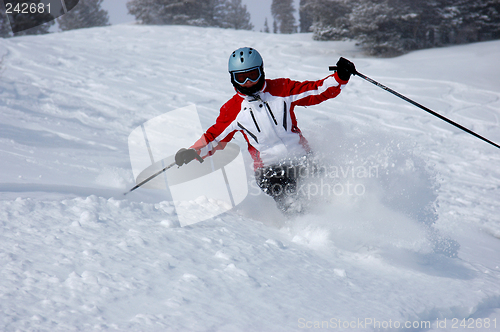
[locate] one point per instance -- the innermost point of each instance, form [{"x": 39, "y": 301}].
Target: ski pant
[{"x": 281, "y": 183}]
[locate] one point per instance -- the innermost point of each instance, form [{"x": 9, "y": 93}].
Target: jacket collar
[{"x": 247, "y": 97}]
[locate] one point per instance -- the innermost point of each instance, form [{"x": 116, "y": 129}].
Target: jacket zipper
[
  {"x": 284, "y": 115},
  {"x": 255, "y": 121},
  {"x": 248, "y": 132},
  {"x": 270, "y": 112}
]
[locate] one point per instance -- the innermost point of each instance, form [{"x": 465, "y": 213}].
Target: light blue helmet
[{"x": 244, "y": 58}]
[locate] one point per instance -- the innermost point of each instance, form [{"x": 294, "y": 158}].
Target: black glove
[
  {"x": 184, "y": 156},
  {"x": 345, "y": 69}
]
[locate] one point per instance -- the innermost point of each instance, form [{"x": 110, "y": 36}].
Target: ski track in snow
[{"x": 421, "y": 244}]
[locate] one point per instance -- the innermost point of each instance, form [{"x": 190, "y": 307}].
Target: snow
[{"x": 418, "y": 242}]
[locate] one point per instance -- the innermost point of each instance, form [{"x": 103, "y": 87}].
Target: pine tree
[
  {"x": 187, "y": 12},
  {"x": 5, "y": 30},
  {"x": 266, "y": 26},
  {"x": 147, "y": 11},
  {"x": 305, "y": 16},
  {"x": 480, "y": 21},
  {"x": 232, "y": 14},
  {"x": 375, "y": 26},
  {"x": 282, "y": 11},
  {"x": 330, "y": 18},
  {"x": 86, "y": 14}
]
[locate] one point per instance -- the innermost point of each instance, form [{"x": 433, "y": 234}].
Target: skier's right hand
[
  {"x": 345, "y": 69},
  {"x": 184, "y": 156}
]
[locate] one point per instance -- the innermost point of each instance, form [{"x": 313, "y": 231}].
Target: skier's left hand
[
  {"x": 345, "y": 69},
  {"x": 184, "y": 156}
]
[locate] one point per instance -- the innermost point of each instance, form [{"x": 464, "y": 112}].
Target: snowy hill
[{"x": 418, "y": 248}]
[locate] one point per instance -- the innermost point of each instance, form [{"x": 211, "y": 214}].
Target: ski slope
[{"x": 418, "y": 250}]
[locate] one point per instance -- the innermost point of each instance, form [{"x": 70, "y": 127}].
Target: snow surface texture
[{"x": 418, "y": 241}]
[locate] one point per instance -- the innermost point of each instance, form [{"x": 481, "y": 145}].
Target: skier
[{"x": 263, "y": 111}]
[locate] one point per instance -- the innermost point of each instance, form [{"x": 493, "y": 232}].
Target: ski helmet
[{"x": 242, "y": 60}]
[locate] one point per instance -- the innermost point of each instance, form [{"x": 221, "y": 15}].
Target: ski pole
[
  {"x": 150, "y": 178},
  {"x": 422, "y": 107},
  {"x": 197, "y": 156}
]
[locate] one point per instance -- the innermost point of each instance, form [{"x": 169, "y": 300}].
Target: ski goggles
[{"x": 252, "y": 75}]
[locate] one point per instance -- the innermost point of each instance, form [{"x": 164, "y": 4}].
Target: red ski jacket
[{"x": 267, "y": 121}]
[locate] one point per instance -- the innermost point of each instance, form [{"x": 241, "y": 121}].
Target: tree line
[
  {"x": 391, "y": 27},
  {"x": 205, "y": 13},
  {"x": 89, "y": 13},
  {"x": 382, "y": 27}
]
